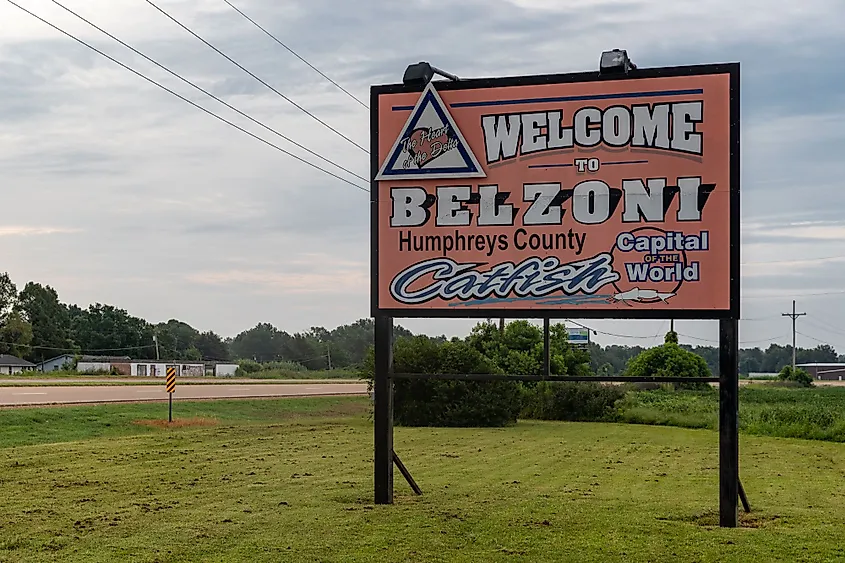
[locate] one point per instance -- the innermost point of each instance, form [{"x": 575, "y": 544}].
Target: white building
[
  {"x": 225, "y": 370},
  {"x": 101, "y": 364},
  {"x": 11, "y": 364},
  {"x": 154, "y": 368},
  {"x": 55, "y": 364}
]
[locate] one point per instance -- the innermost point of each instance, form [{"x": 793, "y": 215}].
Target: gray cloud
[
  {"x": 176, "y": 215},
  {"x": 65, "y": 163}
]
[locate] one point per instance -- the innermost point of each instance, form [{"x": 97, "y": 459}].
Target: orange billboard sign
[{"x": 563, "y": 196}]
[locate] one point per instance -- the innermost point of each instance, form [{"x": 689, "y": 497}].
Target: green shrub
[
  {"x": 579, "y": 401},
  {"x": 283, "y": 369},
  {"x": 518, "y": 349},
  {"x": 438, "y": 402},
  {"x": 247, "y": 366},
  {"x": 667, "y": 407},
  {"x": 798, "y": 376},
  {"x": 283, "y": 366},
  {"x": 784, "y": 410},
  {"x": 307, "y": 374},
  {"x": 670, "y": 360}
]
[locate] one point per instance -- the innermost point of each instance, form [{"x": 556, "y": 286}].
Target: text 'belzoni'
[{"x": 593, "y": 203}]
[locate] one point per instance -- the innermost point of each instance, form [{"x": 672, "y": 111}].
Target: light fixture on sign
[
  {"x": 421, "y": 73},
  {"x": 615, "y": 62}
]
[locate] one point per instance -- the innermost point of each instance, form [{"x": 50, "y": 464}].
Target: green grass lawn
[
  {"x": 291, "y": 480},
  {"x": 812, "y": 413},
  {"x": 335, "y": 374},
  {"x": 41, "y": 425}
]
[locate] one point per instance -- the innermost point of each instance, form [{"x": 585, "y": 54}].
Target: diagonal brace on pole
[
  {"x": 743, "y": 498},
  {"x": 406, "y": 474}
]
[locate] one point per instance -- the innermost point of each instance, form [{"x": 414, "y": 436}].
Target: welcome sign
[{"x": 570, "y": 195}]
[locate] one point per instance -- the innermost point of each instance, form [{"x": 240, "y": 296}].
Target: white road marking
[{"x": 29, "y": 393}]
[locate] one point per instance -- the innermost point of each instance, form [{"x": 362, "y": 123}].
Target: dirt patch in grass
[
  {"x": 348, "y": 408},
  {"x": 196, "y": 421},
  {"x": 752, "y": 520},
  {"x": 710, "y": 519}
]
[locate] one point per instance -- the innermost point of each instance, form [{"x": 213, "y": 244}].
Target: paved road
[
  {"x": 110, "y": 380},
  {"x": 12, "y": 396}
]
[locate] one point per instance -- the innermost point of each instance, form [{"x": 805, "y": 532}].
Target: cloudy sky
[{"x": 115, "y": 191}]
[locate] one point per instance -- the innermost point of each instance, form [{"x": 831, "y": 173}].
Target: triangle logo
[{"x": 430, "y": 146}]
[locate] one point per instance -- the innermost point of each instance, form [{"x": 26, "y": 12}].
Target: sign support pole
[
  {"x": 547, "y": 349},
  {"x": 383, "y": 410},
  {"x": 728, "y": 422},
  {"x": 170, "y": 386}
]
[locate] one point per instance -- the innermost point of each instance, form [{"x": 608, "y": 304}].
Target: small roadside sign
[
  {"x": 170, "y": 385},
  {"x": 171, "y": 379}
]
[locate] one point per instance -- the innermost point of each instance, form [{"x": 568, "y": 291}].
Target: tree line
[
  {"x": 36, "y": 325},
  {"x": 612, "y": 359}
]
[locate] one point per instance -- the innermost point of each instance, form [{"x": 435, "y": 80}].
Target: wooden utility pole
[{"x": 794, "y": 316}]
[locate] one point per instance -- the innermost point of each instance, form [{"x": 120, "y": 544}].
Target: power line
[
  {"x": 303, "y": 360},
  {"x": 140, "y": 347},
  {"x": 295, "y": 54},
  {"x": 708, "y": 340},
  {"x": 206, "y": 92},
  {"x": 631, "y": 336},
  {"x": 679, "y": 334},
  {"x": 819, "y": 318},
  {"x": 772, "y": 339},
  {"x": 278, "y": 133},
  {"x": 711, "y": 341},
  {"x": 240, "y": 66},
  {"x": 814, "y": 338},
  {"x": 798, "y": 261},
  {"x": 828, "y": 328},
  {"x": 819, "y": 294},
  {"x": 74, "y": 350},
  {"x": 662, "y": 328},
  {"x": 653, "y": 337},
  {"x": 183, "y": 98}
]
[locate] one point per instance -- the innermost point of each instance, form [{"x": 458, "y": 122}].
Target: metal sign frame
[{"x": 385, "y": 457}]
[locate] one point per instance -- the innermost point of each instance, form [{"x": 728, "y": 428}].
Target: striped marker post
[{"x": 171, "y": 388}]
